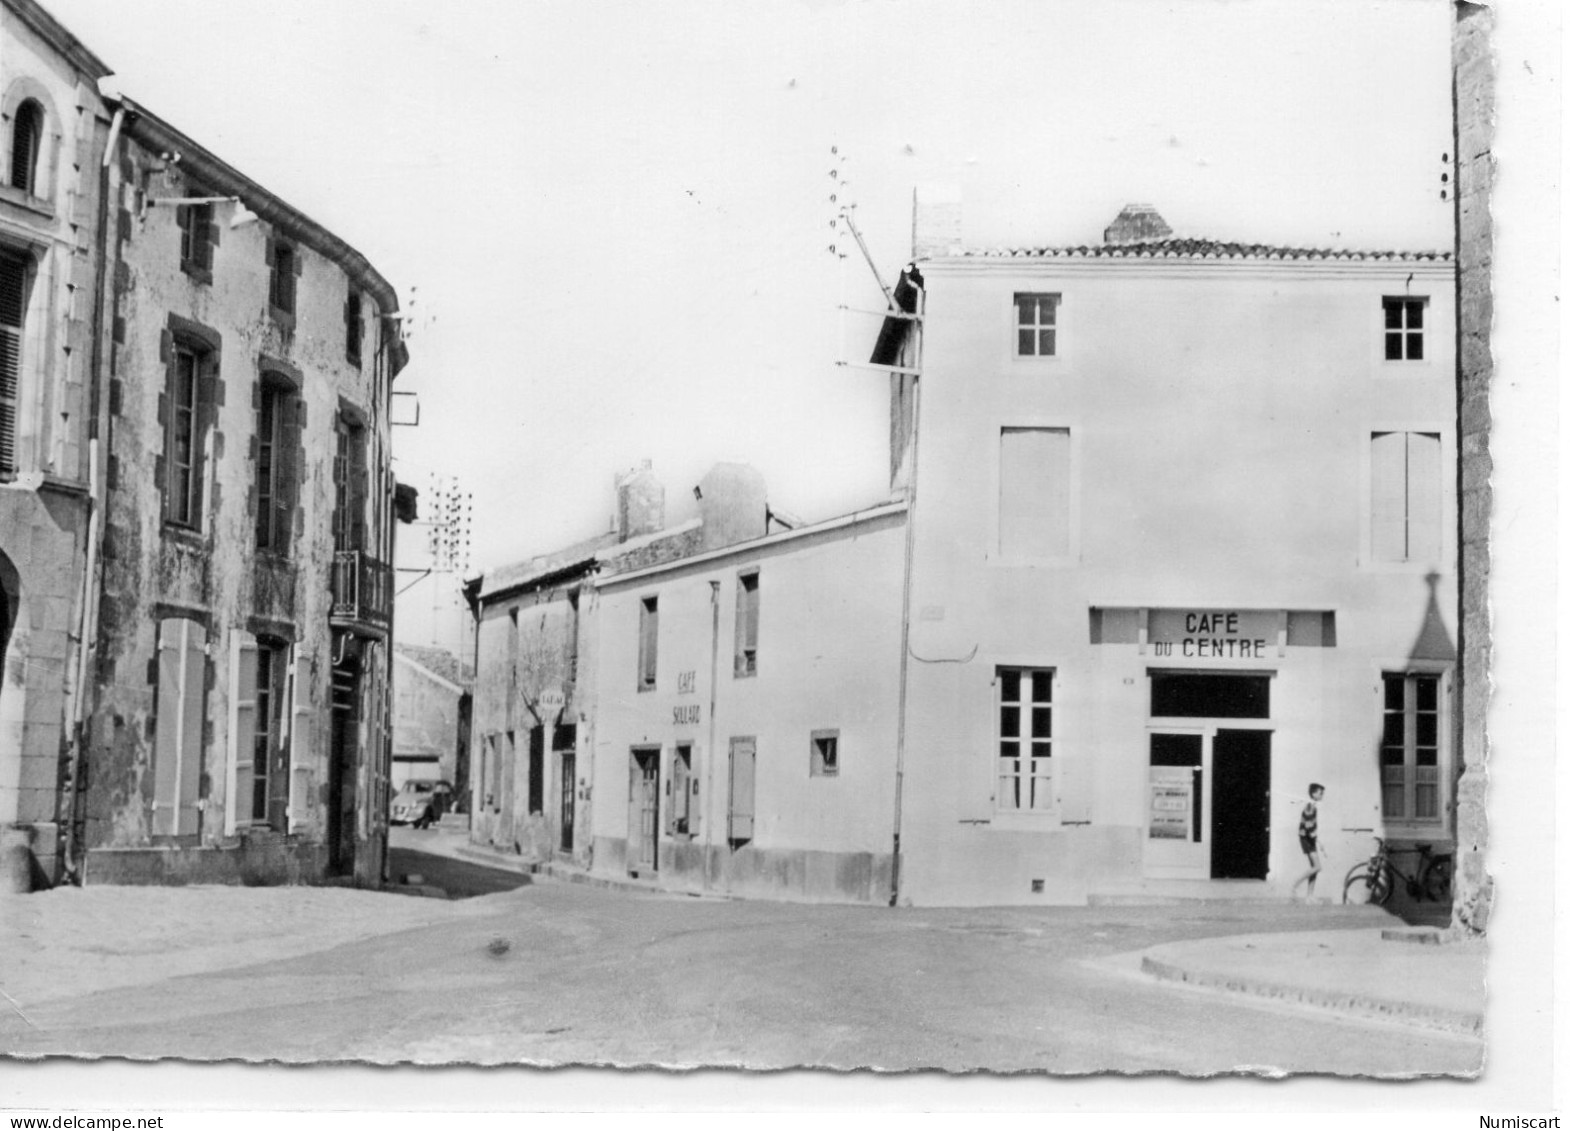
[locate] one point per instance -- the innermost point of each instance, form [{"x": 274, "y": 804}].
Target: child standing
[{"x": 1308, "y": 838}]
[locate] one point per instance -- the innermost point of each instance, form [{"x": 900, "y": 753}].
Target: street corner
[{"x": 1374, "y": 973}]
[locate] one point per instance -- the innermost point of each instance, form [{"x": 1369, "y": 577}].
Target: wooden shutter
[
  {"x": 1387, "y": 498},
  {"x": 1033, "y": 493},
  {"x": 648, "y": 641},
  {"x": 746, "y": 624},
  {"x": 694, "y": 808},
  {"x": 278, "y": 747},
  {"x": 242, "y": 730},
  {"x": 743, "y": 770},
  {"x": 13, "y": 293},
  {"x": 676, "y": 792},
  {"x": 358, "y": 484},
  {"x": 181, "y": 707},
  {"x": 170, "y": 718}
]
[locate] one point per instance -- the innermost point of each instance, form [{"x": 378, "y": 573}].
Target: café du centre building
[{"x": 1183, "y": 541}]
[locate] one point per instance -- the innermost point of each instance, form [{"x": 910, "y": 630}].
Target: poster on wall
[{"x": 1171, "y": 802}]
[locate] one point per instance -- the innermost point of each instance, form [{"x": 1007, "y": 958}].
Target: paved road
[
  {"x": 460, "y": 879},
  {"x": 557, "y": 973}
]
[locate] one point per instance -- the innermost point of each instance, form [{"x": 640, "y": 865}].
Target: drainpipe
[
  {"x": 87, "y": 634},
  {"x": 713, "y": 754}
]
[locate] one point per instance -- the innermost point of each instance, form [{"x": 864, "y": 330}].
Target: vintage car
[{"x": 421, "y": 802}]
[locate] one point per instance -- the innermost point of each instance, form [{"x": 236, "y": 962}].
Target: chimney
[
  {"x": 734, "y": 505},
  {"x": 935, "y": 224},
  {"x": 1135, "y": 223},
  {"x": 640, "y": 503}
]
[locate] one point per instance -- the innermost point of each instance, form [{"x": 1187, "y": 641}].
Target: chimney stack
[
  {"x": 1137, "y": 222},
  {"x": 640, "y": 503},
  {"x": 733, "y": 502},
  {"x": 936, "y": 222}
]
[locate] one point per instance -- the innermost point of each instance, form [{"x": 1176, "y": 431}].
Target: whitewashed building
[{"x": 1184, "y": 542}]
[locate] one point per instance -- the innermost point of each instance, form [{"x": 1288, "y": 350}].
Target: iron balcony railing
[{"x": 362, "y": 589}]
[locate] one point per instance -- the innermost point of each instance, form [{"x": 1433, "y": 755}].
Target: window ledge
[
  {"x": 1035, "y": 822},
  {"x": 284, "y": 318},
  {"x": 201, "y": 275},
  {"x": 26, "y": 200},
  {"x": 179, "y": 532}
]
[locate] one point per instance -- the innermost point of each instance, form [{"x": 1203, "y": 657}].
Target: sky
[{"x": 610, "y": 222}]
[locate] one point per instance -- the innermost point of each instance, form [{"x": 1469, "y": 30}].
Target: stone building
[
  {"x": 239, "y": 728},
  {"x": 51, "y": 263},
  {"x": 197, "y": 507}
]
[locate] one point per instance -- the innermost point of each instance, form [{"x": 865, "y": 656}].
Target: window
[
  {"x": 349, "y": 483},
  {"x": 648, "y": 642},
  {"x": 825, "y": 753},
  {"x": 285, "y": 261},
  {"x": 1404, "y": 328},
  {"x": 1209, "y": 695},
  {"x": 261, "y": 734},
  {"x": 353, "y": 327},
  {"x": 1024, "y": 707},
  {"x": 277, "y": 465},
  {"x": 537, "y": 770},
  {"x": 1409, "y": 748},
  {"x": 1036, "y": 324},
  {"x": 198, "y": 236},
  {"x": 27, "y": 133},
  {"x": 1033, "y": 498},
  {"x": 747, "y": 624},
  {"x": 183, "y": 438},
  {"x": 681, "y": 815},
  {"x": 1404, "y": 510},
  {"x": 177, "y": 748},
  {"x": 13, "y": 307}
]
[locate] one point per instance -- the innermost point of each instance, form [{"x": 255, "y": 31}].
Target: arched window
[{"x": 27, "y": 131}]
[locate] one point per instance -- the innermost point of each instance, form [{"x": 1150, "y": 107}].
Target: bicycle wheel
[
  {"x": 1436, "y": 879},
  {"x": 1365, "y": 885}
]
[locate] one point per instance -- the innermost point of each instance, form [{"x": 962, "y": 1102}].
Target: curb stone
[{"x": 1466, "y": 1022}]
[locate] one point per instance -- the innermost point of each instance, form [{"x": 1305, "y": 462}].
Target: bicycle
[{"x": 1373, "y": 880}]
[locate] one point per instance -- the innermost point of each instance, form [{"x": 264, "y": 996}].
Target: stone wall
[{"x": 1473, "y": 64}]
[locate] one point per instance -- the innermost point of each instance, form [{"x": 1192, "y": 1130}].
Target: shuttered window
[
  {"x": 198, "y": 237},
  {"x": 353, "y": 328},
  {"x": 13, "y": 306},
  {"x": 747, "y": 624},
  {"x": 260, "y": 742},
  {"x": 277, "y": 465},
  {"x": 349, "y": 486},
  {"x": 1405, "y": 503},
  {"x": 285, "y": 260},
  {"x": 648, "y": 642},
  {"x": 743, "y": 775},
  {"x": 681, "y": 811},
  {"x": 26, "y": 135},
  {"x": 177, "y": 750},
  {"x": 1033, "y": 493}
]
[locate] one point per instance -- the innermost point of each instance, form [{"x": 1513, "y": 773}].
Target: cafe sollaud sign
[{"x": 1213, "y": 634}]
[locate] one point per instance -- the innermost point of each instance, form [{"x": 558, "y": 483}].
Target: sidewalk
[{"x": 1386, "y": 973}]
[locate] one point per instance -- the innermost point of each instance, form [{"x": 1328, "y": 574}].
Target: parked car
[{"x": 421, "y": 803}]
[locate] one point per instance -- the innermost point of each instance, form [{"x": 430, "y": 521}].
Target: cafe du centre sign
[{"x": 1215, "y": 634}]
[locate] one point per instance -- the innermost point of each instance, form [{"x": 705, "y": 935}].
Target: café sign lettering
[{"x": 1213, "y": 634}]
